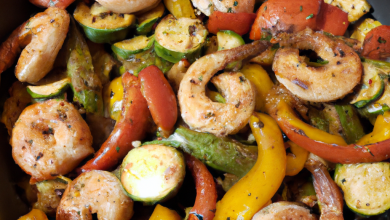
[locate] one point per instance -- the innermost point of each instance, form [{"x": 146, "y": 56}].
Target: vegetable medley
[{"x": 201, "y": 109}]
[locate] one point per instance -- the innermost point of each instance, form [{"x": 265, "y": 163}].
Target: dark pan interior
[{"x": 12, "y": 14}]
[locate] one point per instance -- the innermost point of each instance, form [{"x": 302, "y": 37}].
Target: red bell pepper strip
[
  {"x": 206, "y": 192},
  {"x": 160, "y": 98},
  {"x": 237, "y": 22},
  {"x": 373, "y": 147},
  {"x": 332, "y": 19},
  {"x": 131, "y": 126}
]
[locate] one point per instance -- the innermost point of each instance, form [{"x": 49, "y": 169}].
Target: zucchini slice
[
  {"x": 101, "y": 25},
  {"x": 152, "y": 173},
  {"x": 49, "y": 90},
  {"x": 179, "y": 38},
  {"x": 372, "y": 86},
  {"x": 366, "y": 186},
  {"x": 381, "y": 105},
  {"x": 228, "y": 40},
  {"x": 137, "y": 62},
  {"x": 147, "y": 19},
  {"x": 135, "y": 45}
]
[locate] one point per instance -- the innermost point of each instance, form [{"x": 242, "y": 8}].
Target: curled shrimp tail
[
  {"x": 199, "y": 112},
  {"x": 62, "y": 4},
  {"x": 10, "y": 48}
]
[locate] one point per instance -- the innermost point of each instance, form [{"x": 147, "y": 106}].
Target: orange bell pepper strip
[
  {"x": 373, "y": 147},
  {"x": 160, "y": 98},
  {"x": 296, "y": 160},
  {"x": 258, "y": 186},
  {"x": 131, "y": 126},
  {"x": 34, "y": 214},
  {"x": 163, "y": 213}
]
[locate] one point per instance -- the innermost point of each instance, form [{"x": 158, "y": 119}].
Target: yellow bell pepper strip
[
  {"x": 296, "y": 160},
  {"x": 180, "y": 8},
  {"x": 256, "y": 188},
  {"x": 34, "y": 214},
  {"x": 381, "y": 131},
  {"x": 267, "y": 57},
  {"x": 373, "y": 147},
  {"x": 259, "y": 77},
  {"x": 163, "y": 213},
  {"x": 115, "y": 97}
]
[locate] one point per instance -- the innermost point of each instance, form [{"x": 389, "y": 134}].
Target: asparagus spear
[
  {"x": 222, "y": 154},
  {"x": 86, "y": 85}
]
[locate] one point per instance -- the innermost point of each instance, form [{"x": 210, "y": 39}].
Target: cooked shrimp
[
  {"x": 318, "y": 84},
  {"x": 199, "y": 112},
  {"x": 50, "y": 139},
  {"x": 129, "y": 6},
  {"x": 95, "y": 192},
  {"x": 15, "y": 104},
  {"x": 43, "y": 36},
  {"x": 284, "y": 210},
  {"x": 228, "y": 6},
  {"x": 50, "y": 3}
]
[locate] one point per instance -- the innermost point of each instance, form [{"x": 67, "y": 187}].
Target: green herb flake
[
  {"x": 369, "y": 151},
  {"x": 265, "y": 8},
  {"x": 300, "y": 8},
  {"x": 310, "y": 16},
  {"x": 200, "y": 78},
  {"x": 275, "y": 46},
  {"x": 381, "y": 40},
  {"x": 235, "y": 3},
  {"x": 78, "y": 212},
  {"x": 117, "y": 149},
  {"x": 211, "y": 4},
  {"x": 343, "y": 181},
  {"x": 230, "y": 10},
  {"x": 30, "y": 141},
  {"x": 321, "y": 61}
]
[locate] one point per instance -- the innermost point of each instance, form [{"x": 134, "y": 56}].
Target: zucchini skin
[
  {"x": 105, "y": 35},
  {"x": 222, "y": 154},
  {"x": 174, "y": 56},
  {"x": 126, "y": 54},
  {"x": 146, "y": 26},
  {"x": 59, "y": 92}
]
